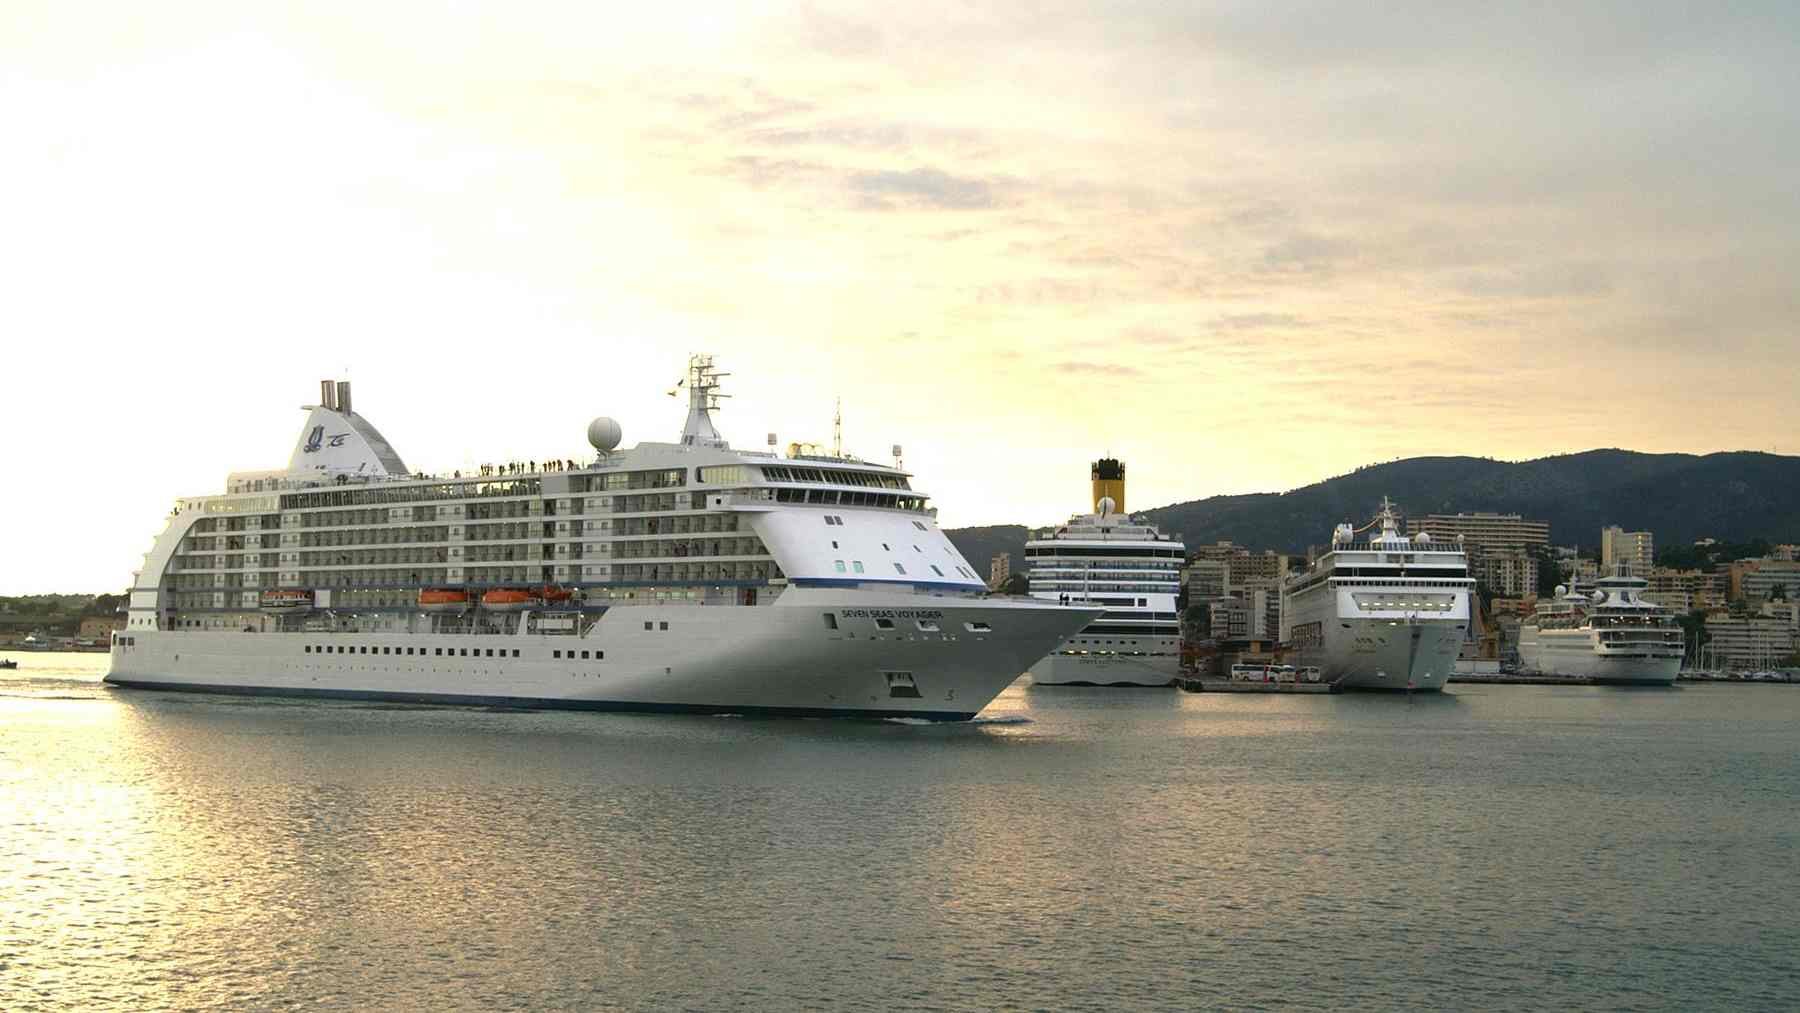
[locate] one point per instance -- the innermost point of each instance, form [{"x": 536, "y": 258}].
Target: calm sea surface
[{"x": 1493, "y": 848}]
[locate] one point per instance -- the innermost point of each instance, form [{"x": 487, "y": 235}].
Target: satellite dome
[
  {"x": 1561, "y": 590},
  {"x": 1106, "y": 505},
  {"x": 1422, "y": 538},
  {"x": 604, "y": 433}
]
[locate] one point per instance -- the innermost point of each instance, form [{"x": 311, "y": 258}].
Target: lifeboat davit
[
  {"x": 506, "y": 599},
  {"x": 443, "y": 601},
  {"x": 287, "y": 601}
]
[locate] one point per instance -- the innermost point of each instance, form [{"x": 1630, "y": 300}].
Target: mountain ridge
[{"x": 1728, "y": 495}]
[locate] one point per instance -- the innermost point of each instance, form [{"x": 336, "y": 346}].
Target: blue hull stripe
[{"x": 536, "y": 703}]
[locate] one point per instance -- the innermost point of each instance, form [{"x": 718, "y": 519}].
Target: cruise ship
[
  {"x": 1130, "y": 569},
  {"x": 685, "y": 576},
  {"x": 1609, "y": 634},
  {"x": 1386, "y": 613}
]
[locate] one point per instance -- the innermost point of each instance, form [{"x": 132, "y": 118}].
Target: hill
[
  {"x": 980, "y": 545},
  {"x": 1732, "y": 496}
]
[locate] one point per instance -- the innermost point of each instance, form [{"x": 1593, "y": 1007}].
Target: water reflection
[{"x": 1494, "y": 846}]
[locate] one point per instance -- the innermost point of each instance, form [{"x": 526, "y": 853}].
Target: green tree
[
  {"x": 1018, "y": 583},
  {"x": 1549, "y": 573},
  {"x": 1778, "y": 592},
  {"x": 1693, "y": 627}
]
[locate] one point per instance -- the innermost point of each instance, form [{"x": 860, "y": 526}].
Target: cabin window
[
  {"x": 901, "y": 570},
  {"x": 884, "y": 624},
  {"x": 927, "y": 625},
  {"x": 839, "y": 563},
  {"x": 556, "y": 654},
  {"x": 648, "y": 626},
  {"x": 857, "y": 564},
  {"x": 584, "y": 655},
  {"x": 935, "y": 570},
  {"x": 515, "y": 652},
  {"x": 308, "y": 649},
  {"x": 662, "y": 625},
  {"x": 978, "y": 627},
  {"x": 830, "y": 621}
]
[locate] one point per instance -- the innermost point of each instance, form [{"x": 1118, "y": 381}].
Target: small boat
[
  {"x": 287, "y": 601},
  {"x": 507, "y": 599},
  {"x": 8, "y": 663},
  {"x": 443, "y": 600},
  {"x": 555, "y": 595}
]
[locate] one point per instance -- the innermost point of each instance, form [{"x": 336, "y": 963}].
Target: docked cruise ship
[
  {"x": 1609, "y": 634},
  {"x": 682, "y": 576},
  {"x": 1130, "y": 569},
  {"x": 1386, "y": 613}
]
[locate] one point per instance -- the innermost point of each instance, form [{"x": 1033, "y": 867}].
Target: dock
[
  {"x": 1517, "y": 679},
  {"x": 1206, "y": 685}
]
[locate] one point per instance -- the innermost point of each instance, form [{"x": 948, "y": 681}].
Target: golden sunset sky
[{"x": 1244, "y": 246}]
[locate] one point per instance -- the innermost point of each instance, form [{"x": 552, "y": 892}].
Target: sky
[{"x": 1243, "y": 246}]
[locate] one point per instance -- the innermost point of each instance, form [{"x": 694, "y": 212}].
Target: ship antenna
[
  {"x": 702, "y": 383},
  {"x": 837, "y": 429}
]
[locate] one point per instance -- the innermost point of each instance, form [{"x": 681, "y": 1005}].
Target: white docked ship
[
  {"x": 1127, "y": 567},
  {"x": 682, "y": 576},
  {"x": 1609, "y": 634},
  {"x": 1386, "y": 613}
]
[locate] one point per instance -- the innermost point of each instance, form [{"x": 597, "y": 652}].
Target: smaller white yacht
[
  {"x": 1110, "y": 560},
  {"x": 1608, "y": 633}
]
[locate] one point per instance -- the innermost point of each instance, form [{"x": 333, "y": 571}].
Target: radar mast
[{"x": 702, "y": 382}]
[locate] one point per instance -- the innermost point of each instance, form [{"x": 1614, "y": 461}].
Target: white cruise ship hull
[
  {"x": 1385, "y": 654},
  {"x": 1095, "y": 669},
  {"x": 782, "y": 658},
  {"x": 1573, "y": 652}
]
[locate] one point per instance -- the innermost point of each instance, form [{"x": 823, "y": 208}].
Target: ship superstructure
[
  {"x": 686, "y": 576},
  {"x": 1121, "y": 564},
  {"x": 1608, "y": 633},
  {"x": 1389, "y": 612}
]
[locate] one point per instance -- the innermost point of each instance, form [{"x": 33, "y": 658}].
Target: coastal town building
[
  {"x": 99, "y": 627},
  {"x": 1484, "y": 532},
  {"x": 999, "y": 570},
  {"x": 1636, "y": 549},
  {"x": 1502, "y": 548},
  {"x": 1687, "y": 590},
  {"x": 1206, "y": 579},
  {"x": 1758, "y": 580},
  {"x": 1513, "y": 574},
  {"x": 1250, "y": 616},
  {"x": 1749, "y": 642}
]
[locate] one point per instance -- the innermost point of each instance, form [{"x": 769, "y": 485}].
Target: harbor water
[{"x": 1492, "y": 847}]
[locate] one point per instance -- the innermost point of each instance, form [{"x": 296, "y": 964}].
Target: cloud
[
  {"x": 1097, "y": 368},
  {"x": 1306, "y": 253},
  {"x": 923, "y": 188}
]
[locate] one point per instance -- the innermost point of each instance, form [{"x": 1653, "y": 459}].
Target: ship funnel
[
  {"x": 327, "y": 395},
  {"x": 1109, "y": 482},
  {"x": 343, "y": 397}
]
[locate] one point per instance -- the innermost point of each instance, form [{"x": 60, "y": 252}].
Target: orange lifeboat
[
  {"x": 443, "y": 600},
  {"x": 506, "y": 599},
  {"x": 555, "y": 595}
]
